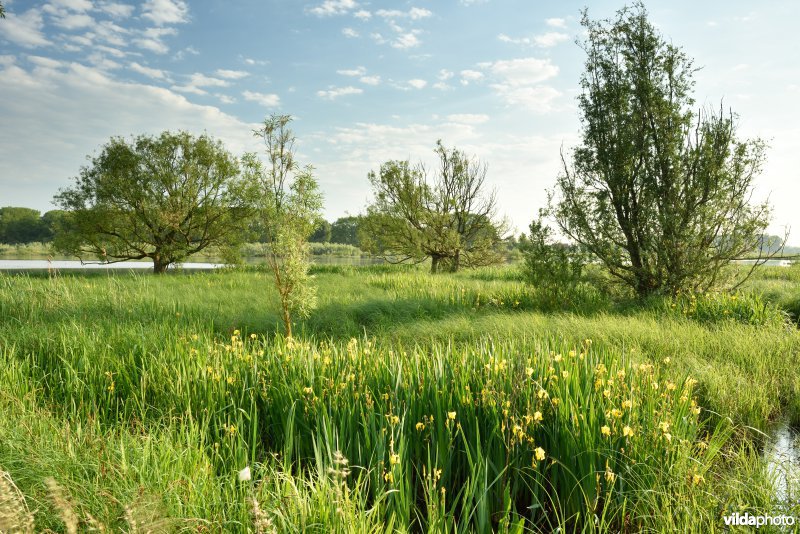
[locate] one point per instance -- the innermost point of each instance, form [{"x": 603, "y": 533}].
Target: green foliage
[
  {"x": 162, "y": 198},
  {"x": 548, "y": 264},
  {"x": 659, "y": 194},
  {"x": 290, "y": 203},
  {"x": 22, "y": 225},
  {"x": 345, "y": 231},
  {"x": 322, "y": 233}
]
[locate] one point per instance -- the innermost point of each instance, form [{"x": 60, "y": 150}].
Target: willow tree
[
  {"x": 161, "y": 198},
  {"x": 658, "y": 191},
  {"x": 289, "y": 202},
  {"x": 450, "y": 217}
]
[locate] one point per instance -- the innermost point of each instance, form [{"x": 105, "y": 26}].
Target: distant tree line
[{"x": 25, "y": 225}]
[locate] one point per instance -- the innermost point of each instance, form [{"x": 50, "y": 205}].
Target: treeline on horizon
[{"x": 26, "y": 226}]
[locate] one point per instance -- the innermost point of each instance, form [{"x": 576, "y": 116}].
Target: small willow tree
[
  {"x": 290, "y": 203},
  {"x": 659, "y": 193},
  {"x": 450, "y": 218}
]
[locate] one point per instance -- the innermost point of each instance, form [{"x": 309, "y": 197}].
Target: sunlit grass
[{"x": 451, "y": 403}]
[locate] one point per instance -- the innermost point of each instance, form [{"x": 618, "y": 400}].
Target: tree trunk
[
  {"x": 435, "y": 263},
  {"x": 287, "y": 320},
  {"x": 159, "y": 265},
  {"x": 456, "y": 262}
]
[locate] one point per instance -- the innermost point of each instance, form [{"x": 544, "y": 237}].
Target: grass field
[{"x": 406, "y": 402}]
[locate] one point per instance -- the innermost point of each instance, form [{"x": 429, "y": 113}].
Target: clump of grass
[{"x": 716, "y": 307}]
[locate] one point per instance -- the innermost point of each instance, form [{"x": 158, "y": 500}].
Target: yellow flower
[
  {"x": 616, "y": 413},
  {"x": 236, "y": 332},
  {"x": 529, "y": 371},
  {"x": 541, "y": 394},
  {"x": 394, "y": 459},
  {"x": 696, "y": 410},
  {"x": 610, "y": 476},
  {"x": 606, "y": 393},
  {"x": 394, "y": 419},
  {"x": 667, "y": 360},
  {"x": 668, "y": 436},
  {"x": 451, "y": 415},
  {"x": 253, "y": 336},
  {"x": 308, "y": 390},
  {"x": 664, "y": 426},
  {"x": 626, "y": 404},
  {"x": 627, "y": 431},
  {"x": 420, "y": 427},
  {"x": 605, "y": 430},
  {"x": 537, "y": 416},
  {"x": 232, "y": 430},
  {"x": 698, "y": 479},
  {"x": 388, "y": 477},
  {"x": 539, "y": 454},
  {"x": 565, "y": 374},
  {"x": 557, "y": 358},
  {"x": 231, "y": 379}
]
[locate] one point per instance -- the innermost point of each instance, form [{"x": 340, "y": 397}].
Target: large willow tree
[{"x": 657, "y": 190}]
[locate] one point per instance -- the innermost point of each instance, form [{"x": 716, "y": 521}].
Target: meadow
[{"x": 407, "y": 402}]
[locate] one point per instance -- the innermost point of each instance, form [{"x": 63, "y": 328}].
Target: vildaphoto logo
[{"x": 758, "y": 521}]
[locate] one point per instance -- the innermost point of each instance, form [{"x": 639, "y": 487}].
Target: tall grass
[{"x": 411, "y": 403}]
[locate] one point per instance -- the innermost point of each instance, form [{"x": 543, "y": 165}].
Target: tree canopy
[
  {"x": 659, "y": 192},
  {"x": 449, "y": 218},
  {"x": 160, "y": 197}
]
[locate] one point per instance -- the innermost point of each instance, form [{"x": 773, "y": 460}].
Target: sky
[{"x": 366, "y": 82}]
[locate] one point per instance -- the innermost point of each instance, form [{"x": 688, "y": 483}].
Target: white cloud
[
  {"x": 24, "y": 29},
  {"x": 74, "y": 5},
  {"x": 201, "y": 80},
  {"x": 445, "y": 75},
  {"x": 225, "y": 99},
  {"x": 525, "y": 71},
  {"x": 415, "y": 13},
  {"x": 468, "y": 118},
  {"x": 75, "y": 21},
  {"x": 335, "y": 92},
  {"x": 519, "y": 82},
  {"x": 69, "y": 112},
  {"x": 549, "y": 39},
  {"x": 231, "y": 74},
  {"x": 102, "y": 62},
  {"x": 267, "y": 100},
  {"x": 349, "y": 32},
  {"x": 251, "y": 61},
  {"x": 163, "y": 12},
  {"x": 116, "y": 10},
  {"x": 468, "y": 76},
  {"x": 358, "y": 71},
  {"x": 370, "y": 80},
  {"x": 362, "y": 14},
  {"x": 406, "y": 40},
  {"x": 333, "y": 7},
  {"x": 556, "y": 23},
  {"x": 156, "y": 74},
  {"x": 152, "y": 39},
  {"x": 545, "y": 40},
  {"x": 416, "y": 83},
  {"x": 441, "y": 86}
]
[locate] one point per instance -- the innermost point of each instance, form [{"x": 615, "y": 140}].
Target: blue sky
[{"x": 367, "y": 81}]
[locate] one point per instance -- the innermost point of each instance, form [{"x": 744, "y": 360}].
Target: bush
[{"x": 549, "y": 264}]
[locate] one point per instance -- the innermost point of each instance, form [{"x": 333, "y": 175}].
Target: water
[
  {"x": 45, "y": 264},
  {"x": 782, "y": 453}
]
